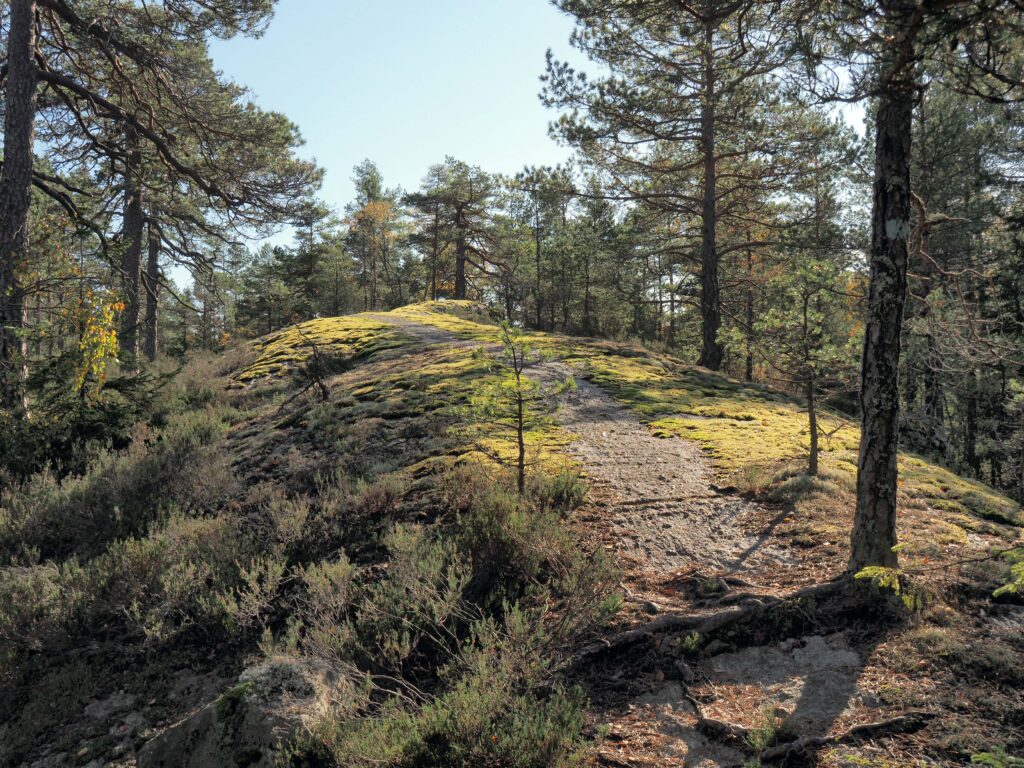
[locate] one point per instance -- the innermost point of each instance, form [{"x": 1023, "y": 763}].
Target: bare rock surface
[
  {"x": 662, "y": 507},
  {"x": 663, "y": 510},
  {"x": 247, "y": 724},
  {"x": 811, "y": 680}
]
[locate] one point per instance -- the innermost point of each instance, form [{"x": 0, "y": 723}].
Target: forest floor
[
  {"x": 733, "y": 645},
  {"x": 824, "y": 686}
]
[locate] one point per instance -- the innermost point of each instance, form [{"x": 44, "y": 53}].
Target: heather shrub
[{"x": 120, "y": 494}]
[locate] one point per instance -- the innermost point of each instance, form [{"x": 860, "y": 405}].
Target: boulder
[{"x": 246, "y": 726}]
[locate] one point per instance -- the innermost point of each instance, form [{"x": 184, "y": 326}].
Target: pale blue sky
[{"x": 406, "y": 82}]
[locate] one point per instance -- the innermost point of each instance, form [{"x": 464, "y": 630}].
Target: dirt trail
[
  {"x": 660, "y": 502},
  {"x": 656, "y": 506}
]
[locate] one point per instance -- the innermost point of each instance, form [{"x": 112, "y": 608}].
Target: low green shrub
[
  {"x": 997, "y": 758},
  {"x": 456, "y": 634},
  {"x": 521, "y": 552},
  {"x": 508, "y": 541},
  {"x": 561, "y": 493},
  {"x": 323, "y": 607},
  {"x": 190, "y": 575},
  {"x": 415, "y": 614}
]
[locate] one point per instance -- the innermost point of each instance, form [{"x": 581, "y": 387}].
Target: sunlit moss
[
  {"x": 740, "y": 425},
  {"x": 350, "y": 337}
]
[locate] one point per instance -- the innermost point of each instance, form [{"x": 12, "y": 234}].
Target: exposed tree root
[
  {"x": 906, "y": 723},
  {"x": 711, "y": 623}
]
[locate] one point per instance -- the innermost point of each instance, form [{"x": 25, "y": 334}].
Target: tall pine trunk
[
  {"x": 874, "y": 528},
  {"x": 749, "y": 372},
  {"x": 131, "y": 261},
  {"x": 710, "y": 301},
  {"x": 971, "y": 458},
  {"x": 461, "y": 247},
  {"x": 934, "y": 403},
  {"x": 1020, "y": 468},
  {"x": 15, "y": 197},
  {"x": 538, "y": 288},
  {"x": 435, "y": 251},
  {"x": 812, "y": 424},
  {"x": 588, "y": 321},
  {"x": 152, "y": 278}
]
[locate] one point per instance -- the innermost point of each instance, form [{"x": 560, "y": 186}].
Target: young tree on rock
[{"x": 515, "y": 406}]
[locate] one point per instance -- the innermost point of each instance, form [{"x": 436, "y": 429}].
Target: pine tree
[
  {"x": 885, "y": 48},
  {"x": 684, "y": 120},
  {"x": 515, "y": 406},
  {"x": 133, "y": 86}
]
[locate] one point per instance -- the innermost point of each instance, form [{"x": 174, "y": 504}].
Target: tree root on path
[
  {"x": 736, "y": 735},
  {"x": 905, "y": 723},
  {"x": 708, "y": 624}
]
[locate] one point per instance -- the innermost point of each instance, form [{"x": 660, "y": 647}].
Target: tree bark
[
  {"x": 152, "y": 278},
  {"x": 1020, "y": 468},
  {"x": 460, "y": 253},
  {"x": 538, "y": 289},
  {"x": 812, "y": 425},
  {"x": 749, "y": 372},
  {"x": 520, "y": 439},
  {"x": 436, "y": 250},
  {"x": 131, "y": 261},
  {"x": 711, "y": 353},
  {"x": 15, "y": 198},
  {"x": 671, "y": 305},
  {"x": 934, "y": 403},
  {"x": 971, "y": 428},
  {"x": 874, "y": 528}
]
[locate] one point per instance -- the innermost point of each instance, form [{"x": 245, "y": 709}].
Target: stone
[
  {"x": 129, "y": 725},
  {"x": 104, "y": 709},
  {"x": 715, "y": 647},
  {"x": 247, "y": 724},
  {"x": 870, "y": 700},
  {"x": 649, "y": 608},
  {"x": 686, "y": 673}
]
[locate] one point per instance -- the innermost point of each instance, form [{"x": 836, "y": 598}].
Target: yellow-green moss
[
  {"x": 349, "y": 337},
  {"x": 742, "y": 426}
]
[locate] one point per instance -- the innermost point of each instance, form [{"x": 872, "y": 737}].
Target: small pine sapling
[{"x": 515, "y": 405}]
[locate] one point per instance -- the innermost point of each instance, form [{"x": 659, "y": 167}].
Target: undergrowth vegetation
[
  {"x": 358, "y": 530},
  {"x": 359, "y": 525}
]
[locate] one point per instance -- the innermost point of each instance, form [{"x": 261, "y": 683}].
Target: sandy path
[
  {"x": 662, "y": 503},
  {"x": 654, "y": 500}
]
